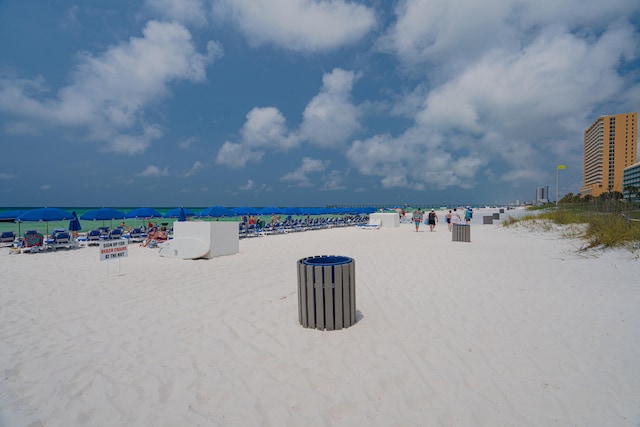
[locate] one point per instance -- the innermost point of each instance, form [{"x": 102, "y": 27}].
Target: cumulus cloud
[
  {"x": 194, "y": 169},
  {"x": 300, "y": 177},
  {"x": 153, "y": 171},
  {"x": 298, "y": 25},
  {"x": 462, "y": 31},
  {"x": 186, "y": 143},
  {"x": 110, "y": 91},
  {"x": 236, "y": 155},
  {"x": 330, "y": 118},
  {"x": 250, "y": 185},
  {"x": 265, "y": 129},
  {"x": 505, "y": 91},
  {"x": 192, "y": 12},
  {"x": 333, "y": 181}
]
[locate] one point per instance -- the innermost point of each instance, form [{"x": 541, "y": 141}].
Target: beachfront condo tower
[{"x": 610, "y": 145}]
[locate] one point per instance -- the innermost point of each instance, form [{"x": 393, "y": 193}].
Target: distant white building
[{"x": 542, "y": 195}]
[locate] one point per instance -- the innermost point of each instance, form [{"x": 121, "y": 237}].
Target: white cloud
[
  {"x": 5, "y": 175},
  {"x": 328, "y": 120},
  {"x": 331, "y": 118},
  {"x": 264, "y": 129},
  {"x": 46, "y": 187},
  {"x": 153, "y": 171},
  {"x": 186, "y": 143},
  {"x": 504, "y": 93},
  {"x": 110, "y": 91},
  {"x": 184, "y": 11},
  {"x": 267, "y": 128},
  {"x": 298, "y": 25},
  {"x": 237, "y": 155},
  {"x": 194, "y": 169},
  {"x": 333, "y": 181},
  {"x": 308, "y": 166},
  {"x": 462, "y": 31},
  {"x": 250, "y": 185}
]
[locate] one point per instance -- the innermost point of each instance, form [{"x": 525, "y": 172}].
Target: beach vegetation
[{"x": 607, "y": 221}]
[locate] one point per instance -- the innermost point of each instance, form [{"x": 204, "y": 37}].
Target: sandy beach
[{"x": 516, "y": 328}]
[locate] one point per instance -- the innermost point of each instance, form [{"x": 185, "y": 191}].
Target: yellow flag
[{"x": 560, "y": 167}]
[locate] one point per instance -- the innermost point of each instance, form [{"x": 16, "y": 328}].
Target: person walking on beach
[
  {"x": 448, "y": 218},
  {"x": 417, "y": 218},
  {"x": 433, "y": 217},
  {"x": 455, "y": 218},
  {"x": 468, "y": 214}
]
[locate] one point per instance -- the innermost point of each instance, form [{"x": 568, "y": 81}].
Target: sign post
[{"x": 112, "y": 249}]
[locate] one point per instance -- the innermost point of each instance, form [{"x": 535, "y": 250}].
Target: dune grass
[{"x": 600, "y": 225}]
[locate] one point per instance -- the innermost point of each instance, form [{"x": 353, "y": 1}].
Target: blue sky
[{"x": 305, "y": 102}]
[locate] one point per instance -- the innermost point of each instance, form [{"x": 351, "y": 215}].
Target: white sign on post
[{"x": 112, "y": 249}]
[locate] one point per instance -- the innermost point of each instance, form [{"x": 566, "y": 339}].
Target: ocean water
[{"x": 47, "y": 227}]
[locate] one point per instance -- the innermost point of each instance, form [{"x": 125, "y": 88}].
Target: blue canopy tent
[{"x": 44, "y": 215}]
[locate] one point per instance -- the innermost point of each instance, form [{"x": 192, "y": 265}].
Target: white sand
[{"x": 515, "y": 328}]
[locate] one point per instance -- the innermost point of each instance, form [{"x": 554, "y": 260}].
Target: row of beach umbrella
[{"x": 108, "y": 214}]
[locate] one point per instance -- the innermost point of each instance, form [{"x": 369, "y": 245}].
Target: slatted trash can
[
  {"x": 461, "y": 233},
  {"x": 487, "y": 219},
  {"x": 496, "y": 215},
  {"x": 327, "y": 292}
]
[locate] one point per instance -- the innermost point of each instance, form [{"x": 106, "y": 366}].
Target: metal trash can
[
  {"x": 461, "y": 233},
  {"x": 496, "y": 215},
  {"x": 487, "y": 219},
  {"x": 327, "y": 292}
]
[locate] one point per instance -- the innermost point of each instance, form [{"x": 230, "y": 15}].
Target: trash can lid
[{"x": 326, "y": 260}]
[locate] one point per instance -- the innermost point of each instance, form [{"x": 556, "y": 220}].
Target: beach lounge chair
[
  {"x": 60, "y": 238},
  {"x": 7, "y": 237},
  {"x": 32, "y": 242},
  {"x": 116, "y": 233},
  {"x": 93, "y": 237},
  {"x": 135, "y": 235},
  {"x": 373, "y": 224}
]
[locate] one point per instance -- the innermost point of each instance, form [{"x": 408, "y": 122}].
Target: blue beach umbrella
[
  {"x": 271, "y": 210},
  {"x": 44, "y": 215},
  {"x": 102, "y": 214},
  {"x": 183, "y": 216},
  {"x": 246, "y": 210},
  {"x": 74, "y": 224},
  {"x": 144, "y": 213},
  {"x": 215, "y": 212},
  {"x": 175, "y": 213},
  {"x": 291, "y": 211},
  {"x": 11, "y": 215}
]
